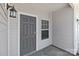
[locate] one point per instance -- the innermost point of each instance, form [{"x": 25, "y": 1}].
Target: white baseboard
[{"x": 68, "y": 50}]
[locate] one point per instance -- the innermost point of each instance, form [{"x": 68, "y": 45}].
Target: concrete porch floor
[{"x": 51, "y": 51}]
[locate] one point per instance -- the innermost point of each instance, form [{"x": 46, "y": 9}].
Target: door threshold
[{"x": 28, "y": 54}]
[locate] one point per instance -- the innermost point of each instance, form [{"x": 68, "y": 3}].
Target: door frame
[{"x": 19, "y": 29}]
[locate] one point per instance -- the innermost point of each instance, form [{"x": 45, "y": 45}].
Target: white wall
[
  {"x": 76, "y": 27},
  {"x": 13, "y": 27},
  {"x": 63, "y": 29},
  {"x": 43, "y": 43},
  {"x": 13, "y": 37},
  {"x": 3, "y": 33}
]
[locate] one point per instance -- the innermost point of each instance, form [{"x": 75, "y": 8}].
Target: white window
[{"x": 44, "y": 29}]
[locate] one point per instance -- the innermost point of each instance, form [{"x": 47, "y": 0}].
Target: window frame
[{"x": 44, "y": 29}]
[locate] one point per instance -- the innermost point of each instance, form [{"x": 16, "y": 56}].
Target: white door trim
[
  {"x": 75, "y": 36},
  {"x": 19, "y": 29}
]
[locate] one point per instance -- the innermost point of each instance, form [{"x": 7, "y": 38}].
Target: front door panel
[{"x": 27, "y": 34}]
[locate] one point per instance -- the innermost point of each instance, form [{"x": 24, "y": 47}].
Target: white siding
[{"x": 3, "y": 33}]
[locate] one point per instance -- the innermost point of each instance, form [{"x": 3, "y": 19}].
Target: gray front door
[{"x": 27, "y": 34}]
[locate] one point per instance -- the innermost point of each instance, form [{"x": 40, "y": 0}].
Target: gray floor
[{"x": 51, "y": 51}]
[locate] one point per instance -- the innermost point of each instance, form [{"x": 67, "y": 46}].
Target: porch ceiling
[{"x": 41, "y": 7}]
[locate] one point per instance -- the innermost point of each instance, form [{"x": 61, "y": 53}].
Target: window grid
[{"x": 45, "y": 29}]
